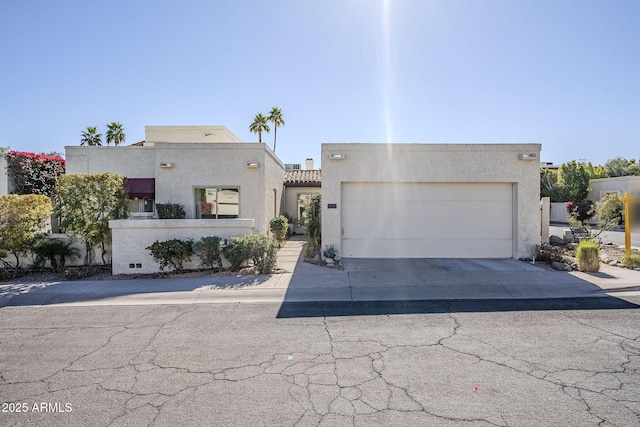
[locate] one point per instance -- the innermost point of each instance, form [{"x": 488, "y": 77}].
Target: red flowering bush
[{"x": 34, "y": 173}]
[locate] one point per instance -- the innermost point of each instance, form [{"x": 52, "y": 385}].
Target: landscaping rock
[
  {"x": 574, "y": 266},
  {"x": 560, "y": 266},
  {"x": 555, "y": 240},
  {"x": 613, "y": 262}
]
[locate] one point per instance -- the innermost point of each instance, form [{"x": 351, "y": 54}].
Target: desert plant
[
  {"x": 587, "y": 255},
  {"x": 170, "y": 210},
  {"x": 209, "y": 250},
  {"x": 631, "y": 260},
  {"x": 609, "y": 211},
  {"x": 260, "y": 249},
  {"x": 172, "y": 253},
  {"x": 329, "y": 252},
  {"x": 279, "y": 227},
  {"x": 56, "y": 251}
]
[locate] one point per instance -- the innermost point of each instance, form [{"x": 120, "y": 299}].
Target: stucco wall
[
  {"x": 620, "y": 184},
  {"x": 291, "y": 202},
  {"x": 497, "y": 163},
  {"x": 219, "y": 165},
  {"x": 194, "y": 165},
  {"x": 132, "y": 162},
  {"x": 558, "y": 213},
  {"x": 186, "y": 134},
  {"x": 131, "y": 238},
  {"x": 4, "y": 178}
]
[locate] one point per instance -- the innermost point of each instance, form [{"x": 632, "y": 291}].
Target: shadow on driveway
[
  {"x": 403, "y": 286},
  {"x": 384, "y": 308}
]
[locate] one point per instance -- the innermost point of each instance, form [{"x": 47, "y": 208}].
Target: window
[
  {"x": 140, "y": 205},
  {"x": 217, "y": 203}
]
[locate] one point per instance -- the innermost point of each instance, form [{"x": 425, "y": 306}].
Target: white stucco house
[
  {"x": 227, "y": 187},
  {"x": 620, "y": 185},
  {"x": 378, "y": 200}
]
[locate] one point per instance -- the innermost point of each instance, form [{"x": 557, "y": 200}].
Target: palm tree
[
  {"x": 115, "y": 133},
  {"x": 91, "y": 136},
  {"x": 275, "y": 116},
  {"x": 259, "y": 125}
]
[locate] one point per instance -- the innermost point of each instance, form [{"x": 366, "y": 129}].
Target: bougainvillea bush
[{"x": 34, "y": 173}]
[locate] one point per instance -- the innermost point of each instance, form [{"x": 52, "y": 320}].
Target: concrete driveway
[{"x": 361, "y": 280}]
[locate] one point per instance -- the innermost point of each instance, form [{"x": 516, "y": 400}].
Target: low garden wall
[
  {"x": 131, "y": 237},
  {"x": 558, "y": 213}
]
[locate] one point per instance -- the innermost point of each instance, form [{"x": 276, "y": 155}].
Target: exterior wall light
[
  {"x": 253, "y": 165},
  {"x": 337, "y": 156},
  {"x": 528, "y": 156},
  {"x": 166, "y": 165}
]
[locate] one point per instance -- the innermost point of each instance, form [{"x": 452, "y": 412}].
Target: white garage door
[{"x": 427, "y": 220}]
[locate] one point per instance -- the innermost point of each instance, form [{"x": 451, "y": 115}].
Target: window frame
[{"x": 203, "y": 191}]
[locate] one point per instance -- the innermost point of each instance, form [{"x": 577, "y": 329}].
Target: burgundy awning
[{"x": 141, "y": 188}]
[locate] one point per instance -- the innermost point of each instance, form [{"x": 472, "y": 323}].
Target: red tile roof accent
[{"x": 298, "y": 176}]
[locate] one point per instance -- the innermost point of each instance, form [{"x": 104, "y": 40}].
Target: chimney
[{"x": 308, "y": 164}]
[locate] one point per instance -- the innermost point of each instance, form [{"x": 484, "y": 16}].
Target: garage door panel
[
  {"x": 425, "y": 191},
  {"x": 486, "y": 248},
  {"x": 442, "y": 229},
  {"x": 409, "y": 220},
  {"x": 420, "y": 211}
]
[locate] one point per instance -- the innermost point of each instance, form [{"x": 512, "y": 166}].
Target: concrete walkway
[{"x": 361, "y": 280}]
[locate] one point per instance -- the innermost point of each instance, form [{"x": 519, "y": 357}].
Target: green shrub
[
  {"x": 56, "y": 251},
  {"x": 631, "y": 260},
  {"x": 587, "y": 255},
  {"x": 209, "y": 250},
  {"x": 330, "y": 252},
  {"x": 172, "y": 253},
  {"x": 311, "y": 221},
  {"x": 170, "y": 211},
  {"x": 260, "y": 249},
  {"x": 22, "y": 219},
  {"x": 279, "y": 227}
]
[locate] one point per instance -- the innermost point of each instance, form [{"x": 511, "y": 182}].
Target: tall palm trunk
[{"x": 275, "y": 131}]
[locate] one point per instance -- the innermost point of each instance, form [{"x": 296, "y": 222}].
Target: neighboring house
[
  {"x": 300, "y": 185},
  {"x": 620, "y": 185},
  {"x": 431, "y": 200}
]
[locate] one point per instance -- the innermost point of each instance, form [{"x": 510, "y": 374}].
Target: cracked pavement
[{"x": 240, "y": 364}]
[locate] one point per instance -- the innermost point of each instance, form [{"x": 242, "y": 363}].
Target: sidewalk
[{"x": 381, "y": 280}]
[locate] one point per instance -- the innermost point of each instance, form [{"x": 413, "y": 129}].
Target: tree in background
[
  {"x": 22, "y": 219},
  {"x": 622, "y": 167},
  {"x": 34, "y": 173},
  {"x": 549, "y": 186},
  {"x": 574, "y": 178},
  {"x": 91, "y": 137},
  {"x": 275, "y": 117},
  {"x": 115, "y": 133},
  {"x": 85, "y": 203},
  {"x": 259, "y": 125}
]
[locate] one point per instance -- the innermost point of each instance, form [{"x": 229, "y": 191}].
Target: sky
[{"x": 565, "y": 74}]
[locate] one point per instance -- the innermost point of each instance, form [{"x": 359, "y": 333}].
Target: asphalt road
[
  {"x": 503, "y": 363},
  {"x": 616, "y": 237}
]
